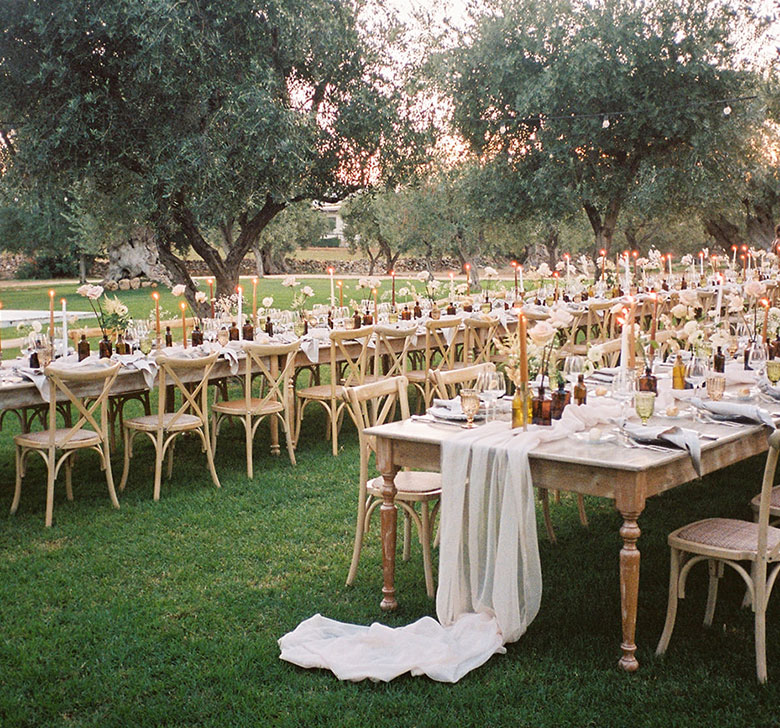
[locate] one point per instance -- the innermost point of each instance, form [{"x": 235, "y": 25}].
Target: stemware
[
  {"x": 644, "y": 403},
  {"x": 623, "y": 387},
  {"x": 469, "y": 402},
  {"x": 773, "y": 370},
  {"x": 492, "y": 385},
  {"x": 573, "y": 366},
  {"x": 757, "y": 357},
  {"x": 716, "y": 385}
]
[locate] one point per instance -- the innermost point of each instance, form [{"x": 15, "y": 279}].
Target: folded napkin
[
  {"x": 661, "y": 435},
  {"x": 737, "y": 374},
  {"x": 141, "y": 363},
  {"x": 769, "y": 389},
  {"x": 39, "y": 379},
  {"x": 734, "y": 411}
]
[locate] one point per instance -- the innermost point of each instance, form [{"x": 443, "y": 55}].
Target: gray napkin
[
  {"x": 661, "y": 435},
  {"x": 769, "y": 389},
  {"x": 140, "y": 362},
  {"x": 735, "y": 412}
]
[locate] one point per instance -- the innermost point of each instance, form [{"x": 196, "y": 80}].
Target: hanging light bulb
[
  {"x": 726, "y": 110},
  {"x": 605, "y": 123}
]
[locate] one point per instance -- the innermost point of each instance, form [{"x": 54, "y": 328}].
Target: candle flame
[
  {"x": 51, "y": 293},
  {"x": 156, "y": 296},
  {"x": 765, "y": 302},
  {"x": 183, "y": 305},
  {"x": 62, "y": 300}
]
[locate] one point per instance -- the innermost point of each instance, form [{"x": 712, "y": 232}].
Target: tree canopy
[{"x": 193, "y": 117}]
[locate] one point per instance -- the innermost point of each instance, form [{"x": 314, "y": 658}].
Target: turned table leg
[
  {"x": 629, "y": 588},
  {"x": 388, "y": 520}
]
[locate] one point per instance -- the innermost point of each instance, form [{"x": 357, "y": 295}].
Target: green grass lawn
[{"x": 167, "y": 614}]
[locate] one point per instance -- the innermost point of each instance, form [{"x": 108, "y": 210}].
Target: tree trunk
[
  {"x": 82, "y": 268},
  {"x": 258, "y": 253},
  {"x": 725, "y": 232}
]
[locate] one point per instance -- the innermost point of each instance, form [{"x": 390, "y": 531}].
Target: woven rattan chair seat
[{"x": 728, "y": 534}]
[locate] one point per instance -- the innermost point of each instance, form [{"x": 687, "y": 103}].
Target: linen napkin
[
  {"x": 143, "y": 364},
  {"x": 769, "y": 389},
  {"x": 41, "y": 381},
  {"x": 737, "y": 374},
  {"x": 735, "y": 412},
  {"x": 681, "y": 438}
]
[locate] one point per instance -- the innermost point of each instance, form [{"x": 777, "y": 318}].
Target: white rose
[
  {"x": 374, "y": 282},
  {"x": 403, "y": 291},
  {"x": 36, "y": 326},
  {"x": 544, "y": 270},
  {"x": 200, "y": 297},
  {"x": 289, "y": 281},
  {"x": 423, "y": 276},
  {"x": 307, "y": 291},
  {"x": 83, "y": 290},
  {"x": 690, "y": 328},
  {"x": 267, "y": 302},
  {"x": 542, "y": 334},
  {"x": 679, "y": 311},
  {"x": 560, "y": 317},
  {"x": 178, "y": 290},
  {"x": 689, "y": 298},
  {"x": 490, "y": 272},
  {"x": 736, "y": 304},
  {"x": 754, "y": 289}
]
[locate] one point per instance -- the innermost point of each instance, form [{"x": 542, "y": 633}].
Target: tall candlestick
[
  {"x": 183, "y": 323},
  {"x": 467, "y": 268},
  {"x": 628, "y": 275},
  {"x": 654, "y": 322},
  {"x": 51, "y": 317},
  {"x": 211, "y": 295},
  {"x": 514, "y": 267},
  {"x": 733, "y": 257},
  {"x": 1, "y": 329},
  {"x": 376, "y": 307},
  {"x": 765, "y": 304},
  {"x": 522, "y": 285},
  {"x": 701, "y": 263},
  {"x": 254, "y": 302},
  {"x": 603, "y": 254},
  {"x": 156, "y": 297},
  {"x": 635, "y": 255},
  {"x": 566, "y": 258},
  {"x": 555, "y": 275},
  {"x": 64, "y": 327},
  {"x": 332, "y": 290},
  {"x": 669, "y": 259},
  {"x": 719, "y": 301},
  {"x": 624, "y": 343},
  {"x": 340, "y": 284},
  {"x": 392, "y": 277},
  {"x": 631, "y": 338},
  {"x": 523, "y": 349},
  {"x": 240, "y": 292}
]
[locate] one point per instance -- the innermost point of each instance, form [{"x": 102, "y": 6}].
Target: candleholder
[{"x": 521, "y": 407}]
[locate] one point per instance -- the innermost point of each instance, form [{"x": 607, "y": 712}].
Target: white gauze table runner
[{"x": 490, "y": 580}]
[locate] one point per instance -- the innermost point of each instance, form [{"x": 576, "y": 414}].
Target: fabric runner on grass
[{"x": 490, "y": 580}]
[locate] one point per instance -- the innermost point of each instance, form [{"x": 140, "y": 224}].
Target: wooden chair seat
[
  {"x": 737, "y": 540},
  {"x": 72, "y": 440},
  {"x": 255, "y": 406},
  {"x": 322, "y": 391},
  {"x": 416, "y": 375},
  {"x": 774, "y": 502},
  {"x": 410, "y": 485},
  {"x": 170, "y": 422}
]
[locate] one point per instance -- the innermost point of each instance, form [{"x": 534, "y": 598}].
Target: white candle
[
  {"x": 701, "y": 263},
  {"x": 332, "y": 290},
  {"x": 240, "y": 292},
  {"x": 719, "y": 301},
  {"x": 628, "y": 280},
  {"x": 669, "y": 258},
  {"x": 624, "y": 344},
  {"x": 64, "y": 328},
  {"x": 733, "y": 256},
  {"x": 520, "y": 272}
]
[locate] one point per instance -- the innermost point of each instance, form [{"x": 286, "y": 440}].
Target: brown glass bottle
[
  {"x": 121, "y": 346},
  {"x": 580, "y": 390},
  {"x": 719, "y": 361},
  {"x": 356, "y": 319},
  {"x": 197, "y": 336},
  {"x": 233, "y": 333},
  {"x": 105, "y": 348},
  {"x": 368, "y": 319},
  {"x": 541, "y": 409},
  {"x": 648, "y": 382},
  {"x": 248, "y": 331},
  {"x": 560, "y": 398},
  {"x": 83, "y": 348},
  {"x": 417, "y": 310},
  {"x": 269, "y": 327}
]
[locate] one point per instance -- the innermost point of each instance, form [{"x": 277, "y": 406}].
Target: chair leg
[
  {"x": 425, "y": 538},
  {"x": 581, "y": 509},
  {"x": 288, "y": 437},
  {"x": 69, "y": 477},
  {"x": 214, "y": 432},
  {"x": 127, "y": 455},
  {"x": 110, "y": 477},
  {"x": 158, "y": 464},
  {"x": 671, "y": 608},
  {"x": 407, "y": 552},
  {"x": 544, "y": 495},
  {"x": 169, "y": 469},
  {"x": 334, "y": 428},
  {"x": 210, "y": 459},
  {"x": 50, "y": 464},
  {"x": 19, "y": 476},
  {"x": 715, "y": 569},
  {"x": 358, "y": 546},
  {"x": 760, "y": 634},
  {"x": 249, "y": 442}
]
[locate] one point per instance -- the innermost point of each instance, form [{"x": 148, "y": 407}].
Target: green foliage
[
  {"x": 534, "y": 85},
  {"x": 198, "y": 116}
]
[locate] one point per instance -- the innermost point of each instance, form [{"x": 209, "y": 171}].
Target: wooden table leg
[
  {"x": 388, "y": 521},
  {"x": 629, "y": 588}
]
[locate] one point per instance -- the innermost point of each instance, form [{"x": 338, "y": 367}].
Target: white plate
[
  {"x": 448, "y": 415},
  {"x": 681, "y": 415},
  {"x": 603, "y": 440}
]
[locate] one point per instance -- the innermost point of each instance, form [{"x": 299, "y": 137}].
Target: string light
[{"x": 726, "y": 110}]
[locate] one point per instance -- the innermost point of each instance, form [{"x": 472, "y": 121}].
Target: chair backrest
[
  {"x": 349, "y": 356},
  {"x": 441, "y": 342},
  {"x": 609, "y": 351},
  {"x": 599, "y": 327},
  {"x": 392, "y": 349},
  {"x": 445, "y": 382},
  {"x": 765, "y": 501},
  {"x": 190, "y": 376},
  {"x": 371, "y": 404},
  {"x": 64, "y": 380},
  {"x": 276, "y": 365},
  {"x": 478, "y": 341}
]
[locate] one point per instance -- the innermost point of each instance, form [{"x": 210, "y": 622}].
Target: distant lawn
[{"x": 167, "y": 614}]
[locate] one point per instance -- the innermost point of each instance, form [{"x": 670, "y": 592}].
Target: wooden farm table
[{"x": 626, "y": 475}]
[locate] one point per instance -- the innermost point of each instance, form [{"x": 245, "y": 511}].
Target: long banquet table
[{"x": 629, "y": 476}]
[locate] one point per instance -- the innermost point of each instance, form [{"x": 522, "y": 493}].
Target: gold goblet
[
  {"x": 469, "y": 402},
  {"x": 644, "y": 403}
]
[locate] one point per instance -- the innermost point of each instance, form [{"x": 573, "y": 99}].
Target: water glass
[
  {"x": 773, "y": 370},
  {"x": 716, "y": 385},
  {"x": 644, "y": 403},
  {"x": 469, "y": 402}
]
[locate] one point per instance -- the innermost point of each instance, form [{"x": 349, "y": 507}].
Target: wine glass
[
  {"x": 696, "y": 371},
  {"x": 493, "y": 387},
  {"x": 757, "y": 357},
  {"x": 145, "y": 344},
  {"x": 623, "y": 387},
  {"x": 773, "y": 371},
  {"x": 469, "y": 402},
  {"x": 573, "y": 366},
  {"x": 644, "y": 403}
]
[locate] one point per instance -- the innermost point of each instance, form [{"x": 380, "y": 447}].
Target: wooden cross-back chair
[
  {"x": 599, "y": 322},
  {"x": 391, "y": 351},
  {"x": 56, "y": 445},
  {"x": 190, "y": 377},
  {"x": 348, "y": 366},
  {"x": 447, "y": 383},
  {"x": 375, "y": 403},
  {"x": 269, "y": 368},
  {"x": 441, "y": 352},
  {"x": 721, "y": 542},
  {"x": 478, "y": 341}
]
